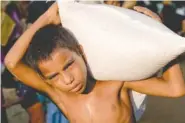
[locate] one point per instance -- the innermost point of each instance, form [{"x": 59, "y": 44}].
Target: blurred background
[{"x": 21, "y": 104}]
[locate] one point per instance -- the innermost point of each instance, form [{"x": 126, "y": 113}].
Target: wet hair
[{"x": 47, "y": 40}]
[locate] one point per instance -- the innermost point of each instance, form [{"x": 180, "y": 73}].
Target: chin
[{"x": 81, "y": 90}]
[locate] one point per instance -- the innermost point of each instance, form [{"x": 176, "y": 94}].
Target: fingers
[
  {"x": 53, "y": 14},
  {"x": 115, "y": 3},
  {"x": 53, "y": 9},
  {"x": 139, "y": 8},
  {"x": 147, "y": 12},
  {"x": 109, "y": 2},
  {"x": 57, "y": 21},
  {"x": 54, "y": 5}
]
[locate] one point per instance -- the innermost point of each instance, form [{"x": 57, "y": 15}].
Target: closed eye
[
  {"x": 52, "y": 76},
  {"x": 68, "y": 64}
]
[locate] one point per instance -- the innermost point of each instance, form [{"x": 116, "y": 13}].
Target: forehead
[{"x": 57, "y": 59}]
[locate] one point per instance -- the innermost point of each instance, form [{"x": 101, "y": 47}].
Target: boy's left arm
[{"x": 171, "y": 84}]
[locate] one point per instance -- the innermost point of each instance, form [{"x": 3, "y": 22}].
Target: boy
[{"x": 54, "y": 53}]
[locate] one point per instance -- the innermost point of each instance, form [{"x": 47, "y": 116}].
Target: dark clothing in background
[
  {"x": 28, "y": 94},
  {"x": 8, "y": 80},
  {"x": 170, "y": 18},
  {"x": 30, "y": 98},
  {"x": 36, "y": 9}
]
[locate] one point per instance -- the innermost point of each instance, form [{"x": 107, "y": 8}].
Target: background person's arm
[{"x": 36, "y": 113}]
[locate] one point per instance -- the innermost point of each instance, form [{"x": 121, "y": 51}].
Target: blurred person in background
[
  {"x": 17, "y": 11},
  {"x": 172, "y": 14},
  {"x": 27, "y": 96},
  {"x": 182, "y": 32},
  {"x": 169, "y": 16},
  {"x": 4, "y": 118}
]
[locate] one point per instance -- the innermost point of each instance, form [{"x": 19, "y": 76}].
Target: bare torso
[{"x": 107, "y": 103}]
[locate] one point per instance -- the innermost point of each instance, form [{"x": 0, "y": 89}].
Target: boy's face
[{"x": 66, "y": 70}]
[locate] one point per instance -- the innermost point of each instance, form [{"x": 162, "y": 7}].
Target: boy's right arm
[
  {"x": 13, "y": 59},
  {"x": 24, "y": 73}
]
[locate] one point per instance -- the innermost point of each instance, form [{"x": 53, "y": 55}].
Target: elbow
[
  {"x": 177, "y": 92},
  {"x": 9, "y": 64}
]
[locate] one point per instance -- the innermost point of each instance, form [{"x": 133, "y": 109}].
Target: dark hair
[{"x": 45, "y": 41}]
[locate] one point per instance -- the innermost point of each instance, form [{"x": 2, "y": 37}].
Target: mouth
[{"x": 76, "y": 88}]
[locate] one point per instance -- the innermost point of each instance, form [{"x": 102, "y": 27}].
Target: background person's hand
[{"x": 147, "y": 12}]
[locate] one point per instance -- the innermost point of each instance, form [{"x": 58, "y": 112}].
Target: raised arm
[
  {"x": 16, "y": 53},
  {"x": 171, "y": 84}
]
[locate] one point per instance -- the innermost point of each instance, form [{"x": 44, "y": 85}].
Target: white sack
[{"x": 120, "y": 44}]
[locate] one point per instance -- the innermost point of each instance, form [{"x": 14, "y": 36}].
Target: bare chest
[{"x": 104, "y": 106}]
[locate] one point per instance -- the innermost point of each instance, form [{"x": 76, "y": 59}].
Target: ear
[{"x": 83, "y": 53}]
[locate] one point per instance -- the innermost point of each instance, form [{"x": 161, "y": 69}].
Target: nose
[{"x": 67, "y": 77}]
